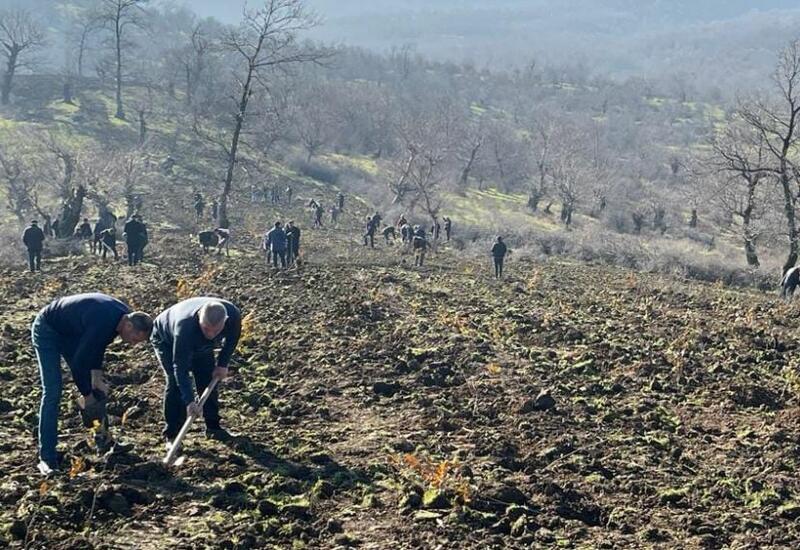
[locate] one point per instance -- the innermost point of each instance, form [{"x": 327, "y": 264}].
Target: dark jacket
[
  {"x": 135, "y": 233},
  {"x": 499, "y": 250},
  {"x": 86, "y": 324},
  {"x": 177, "y": 332},
  {"x": 418, "y": 241},
  {"x": 33, "y": 238},
  {"x": 275, "y": 240},
  {"x": 293, "y": 238},
  {"x": 85, "y": 231}
]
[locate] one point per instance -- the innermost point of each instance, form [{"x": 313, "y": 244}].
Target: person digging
[
  {"x": 79, "y": 328},
  {"x": 184, "y": 337}
]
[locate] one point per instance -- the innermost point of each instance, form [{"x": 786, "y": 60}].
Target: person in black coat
[
  {"x": 33, "y": 238},
  {"x": 499, "y": 251}
]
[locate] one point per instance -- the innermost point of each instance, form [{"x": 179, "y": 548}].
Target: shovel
[{"x": 170, "y": 459}]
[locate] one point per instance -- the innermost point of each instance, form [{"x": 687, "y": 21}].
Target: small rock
[
  {"x": 267, "y": 508},
  {"x": 333, "y": 526},
  {"x": 385, "y": 389},
  {"x": 509, "y": 495},
  {"x": 18, "y": 529},
  {"x": 118, "y": 504},
  {"x": 403, "y": 446}
]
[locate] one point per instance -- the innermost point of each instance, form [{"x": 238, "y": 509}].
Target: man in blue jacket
[
  {"x": 184, "y": 337},
  {"x": 78, "y": 328}
]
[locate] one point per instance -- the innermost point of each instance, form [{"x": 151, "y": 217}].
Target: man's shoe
[
  {"x": 219, "y": 434},
  {"x": 47, "y": 468}
]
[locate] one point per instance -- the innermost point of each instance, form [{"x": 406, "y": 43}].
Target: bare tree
[
  {"x": 20, "y": 35},
  {"x": 265, "y": 41},
  {"x": 119, "y": 16},
  {"x": 776, "y": 124}
]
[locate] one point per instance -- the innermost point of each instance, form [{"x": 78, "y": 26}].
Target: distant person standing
[
  {"x": 199, "y": 207},
  {"x": 97, "y": 237},
  {"x": 340, "y": 201},
  {"x": 289, "y": 192},
  {"x": 420, "y": 245},
  {"x": 275, "y": 245},
  {"x": 292, "y": 242},
  {"x": 135, "y": 236},
  {"x": 448, "y": 228},
  {"x": 84, "y": 231},
  {"x": 369, "y": 234},
  {"x": 214, "y": 210},
  {"x": 33, "y": 239},
  {"x": 436, "y": 230},
  {"x": 499, "y": 251},
  {"x": 318, "y": 213}
]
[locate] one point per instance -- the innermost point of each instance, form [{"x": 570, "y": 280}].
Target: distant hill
[{"x": 721, "y": 42}]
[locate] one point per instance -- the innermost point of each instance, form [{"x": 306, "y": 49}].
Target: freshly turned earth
[{"x": 380, "y": 406}]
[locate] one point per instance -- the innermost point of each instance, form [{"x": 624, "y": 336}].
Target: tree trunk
[
  {"x": 468, "y": 168},
  {"x": 71, "y": 212},
  {"x": 224, "y": 222},
  {"x": 8, "y": 78},
  {"x": 142, "y": 127},
  {"x": 791, "y": 221},
  {"x": 693, "y": 221},
  {"x": 120, "y": 114}
]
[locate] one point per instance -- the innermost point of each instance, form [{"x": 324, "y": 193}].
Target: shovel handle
[{"x": 176, "y": 445}]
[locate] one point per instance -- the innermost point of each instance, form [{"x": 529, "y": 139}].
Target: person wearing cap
[
  {"x": 78, "y": 328},
  {"x": 33, "y": 239},
  {"x": 184, "y": 338},
  {"x": 499, "y": 251}
]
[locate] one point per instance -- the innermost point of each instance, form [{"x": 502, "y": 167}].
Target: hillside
[{"x": 381, "y": 406}]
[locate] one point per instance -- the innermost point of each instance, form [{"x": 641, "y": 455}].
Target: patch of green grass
[{"x": 365, "y": 164}]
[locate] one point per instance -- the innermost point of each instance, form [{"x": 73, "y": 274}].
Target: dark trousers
[
  {"x": 134, "y": 254},
  {"x": 498, "y": 267},
  {"x": 35, "y": 259},
  {"x": 279, "y": 254},
  {"x": 369, "y": 238},
  {"x": 202, "y": 366}
]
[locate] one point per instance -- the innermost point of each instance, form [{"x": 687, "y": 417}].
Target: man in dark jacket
[
  {"x": 33, "y": 239},
  {"x": 97, "y": 237},
  {"x": 340, "y": 201},
  {"x": 499, "y": 251},
  {"x": 274, "y": 244},
  {"x": 199, "y": 207},
  {"x": 436, "y": 230},
  {"x": 369, "y": 234},
  {"x": 135, "y": 234},
  {"x": 292, "y": 242},
  {"x": 78, "y": 328},
  {"x": 184, "y": 338},
  {"x": 420, "y": 245}
]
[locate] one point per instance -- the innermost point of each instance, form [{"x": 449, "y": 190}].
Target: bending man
[
  {"x": 184, "y": 337},
  {"x": 78, "y": 328}
]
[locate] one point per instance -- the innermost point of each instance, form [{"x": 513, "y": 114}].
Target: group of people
[
  {"x": 79, "y": 328},
  {"x": 282, "y": 244},
  {"x": 200, "y": 208},
  {"x": 318, "y": 211},
  {"x": 102, "y": 239}
]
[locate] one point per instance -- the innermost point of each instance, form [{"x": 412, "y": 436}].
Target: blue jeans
[{"x": 45, "y": 344}]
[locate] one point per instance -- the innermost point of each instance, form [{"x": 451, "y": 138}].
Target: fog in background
[{"x": 725, "y": 43}]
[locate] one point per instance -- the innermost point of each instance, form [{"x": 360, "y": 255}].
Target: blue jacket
[{"x": 86, "y": 324}]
